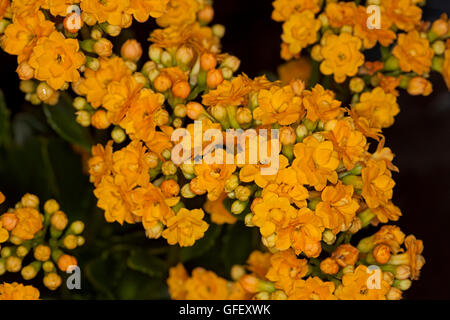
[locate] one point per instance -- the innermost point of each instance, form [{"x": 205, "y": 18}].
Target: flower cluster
[
  {"x": 335, "y": 35},
  {"x": 27, "y": 235}
]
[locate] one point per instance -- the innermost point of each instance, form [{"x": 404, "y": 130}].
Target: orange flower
[
  {"x": 312, "y": 288},
  {"x": 22, "y": 35},
  {"x": 179, "y": 12},
  {"x": 283, "y": 9},
  {"x": 340, "y": 14},
  {"x": 300, "y": 30},
  {"x": 378, "y": 107},
  {"x": 110, "y": 11},
  {"x": 29, "y": 223},
  {"x": 17, "y": 291},
  {"x": 357, "y": 286},
  {"x": 259, "y": 263},
  {"x": 315, "y": 162},
  {"x": 403, "y": 13},
  {"x": 341, "y": 55},
  {"x": 414, "y": 249},
  {"x": 5, "y": 6},
  {"x": 56, "y": 60},
  {"x": 219, "y": 214},
  {"x": 384, "y": 35},
  {"x": 337, "y": 208},
  {"x": 229, "y": 93},
  {"x": 345, "y": 255},
  {"x": 387, "y": 212},
  {"x": 320, "y": 104},
  {"x": 185, "y": 227},
  {"x": 299, "y": 69},
  {"x": 100, "y": 164},
  {"x": 413, "y": 53},
  {"x": 391, "y": 236},
  {"x": 59, "y": 7},
  {"x": 389, "y": 84},
  {"x": 206, "y": 285},
  {"x": 177, "y": 281},
  {"x": 377, "y": 183},
  {"x": 143, "y": 9},
  {"x": 285, "y": 269}
]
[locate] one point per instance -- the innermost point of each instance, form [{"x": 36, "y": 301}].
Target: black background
[{"x": 420, "y": 137}]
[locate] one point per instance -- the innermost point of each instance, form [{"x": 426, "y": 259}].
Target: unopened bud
[
  {"x": 83, "y": 118},
  {"x": 206, "y": 14},
  {"x": 243, "y": 115},
  {"x": 59, "y": 220},
  {"x": 42, "y": 252},
  {"x": 25, "y": 71},
  {"x": 118, "y": 134},
  {"x": 100, "y": 119},
  {"x": 13, "y": 264},
  {"x": 155, "y": 231},
  {"x": 52, "y": 281},
  {"x": 131, "y": 50},
  {"x": 394, "y": 294},
  {"x": 30, "y": 201},
  {"x": 237, "y": 271},
  {"x": 194, "y": 110},
  {"x": 328, "y": 237},
  {"x": 154, "y": 53}
]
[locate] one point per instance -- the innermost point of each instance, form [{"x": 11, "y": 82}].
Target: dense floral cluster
[
  {"x": 40, "y": 240},
  {"x": 334, "y": 172}
]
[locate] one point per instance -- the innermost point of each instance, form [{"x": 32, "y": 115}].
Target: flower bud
[
  {"x": 184, "y": 55},
  {"x": 208, "y": 61},
  {"x": 263, "y": 295},
  {"x": 100, "y": 120},
  {"x": 345, "y": 255},
  {"x": 438, "y": 47},
  {"x": 118, "y": 134},
  {"x": 348, "y": 269},
  {"x": 287, "y": 136},
  {"x": 168, "y": 168},
  {"x": 194, "y": 110},
  {"x": 80, "y": 241},
  {"x": 13, "y": 264},
  {"x": 419, "y": 86},
  {"x": 244, "y": 115},
  {"x": 27, "y": 86},
  {"x": 440, "y": 27},
  {"x": 391, "y": 64},
  {"x": 83, "y": 118},
  {"x": 206, "y": 14},
  {"x": 316, "y": 53},
  {"x": 48, "y": 266},
  {"x": 155, "y": 231},
  {"x": 218, "y": 112},
  {"x": 329, "y": 266},
  {"x": 170, "y": 188},
  {"x": 9, "y": 221},
  {"x": 231, "y": 183},
  {"x": 237, "y": 207},
  {"x": 186, "y": 191},
  {"x": 394, "y": 294},
  {"x": 381, "y": 253},
  {"x": 155, "y": 53},
  {"x": 22, "y": 251},
  {"x": 252, "y": 284},
  {"x": 181, "y": 89},
  {"x": 231, "y": 62},
  {"x": 103, "y": 47},
  {"x": 2, "y": 266},
  {"x": 131, "y": 50},
  {"x": 355, "y": 181},
  {"x": 25, "y": 71},
  {"x": 227, "y": 73},
  {"x": 242, "y": 193},
  {"x": 113, "y": 31},
  {"x": 249, "y": 220},
  {"x": 65, "y": 261},
  {"x": 59, "y": 220},
  {"x": 301, "y": 131},
  {"x": 180, "y": 110},
  {"x": 30, "y": 201},
  {"x": 214, "y": 77},
  {"x": 269, "y": 241},
  {"x": 328, "y": 237},
  {"x": 166, "y": 59},
  {"x": 42, "y": 252},
  {"x": 187, "y": 168},
  {"x": 70, "y": 242},
  {"x": 403, "y": 284},
  {"x": 357, "y": 84},
  {"x": 388, "y": 277},
  {"x": 162, "y": 83},
  {"x": 30, "y": 271},
  {"x": 52, "y": 281},
  {"x": 96, "y": 34},
  {"x": 237, "y": 271},
  {"x": 79, "y": 103},
  {"x": 218, "y": 30}
]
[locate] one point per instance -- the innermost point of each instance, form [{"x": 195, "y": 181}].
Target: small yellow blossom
[
  {"x": 185, "y": 227},
  {"x": 413, "y": 53}
]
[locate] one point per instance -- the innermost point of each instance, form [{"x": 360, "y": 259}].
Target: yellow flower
[
  {"x": 320, "y": 104},
  {"x": 59, "y": 7},
  {"x": 17, "y": 291},
  {"x": 5, "y": 6},
  {"x": 387, "y": 212},
  {"x": 100, "y": 164},
  {"x": 413, "y": 53},
  {"x": 111, "y": 11},
  {"x": 414, "y": 249},
  {"x": 312, "y": 288},
  {"x": 179, "y": 12},
  {"x": 141, "y": 119},
  {"x": 355, "y": 286},
  {"x": 228, "y": 93},
  {"x": 29, "y": 223},
  {"x": 391, "y": 236},
  {"x": 56, "y": 60},
  {"x": 94, "y": 84},
  {"x": 177, "y": 281},
  {"x": 340, "y": 14},
  {"x": 378, "y": 107},
  {"x": 403, "y": 13},
  {"x": 377, "y": 183},
  {"x": 446, "y": 68},
  {"x": 206, "y": 285},
  {"x": 341, "y": 55},
  {"x": 259, "y": 263},
  {"x": 22, "y": 35},
  {"x": 305, "y": 233},
  {"x": 315, "y": 162},
  {"x": 300, "y": 30},
  {"x": 285, "y": 269},
  {"x": 22, "y": 8},
  {"x": 338, "y": 207},
  {"x": 278, "y": 105},
  {"x": 185, "y": 227},
  {"x": 348, "y": 142},
  {"x": 283, "y": 9},
  {"x": 142, "y": 9},
  {"x": 252, "y": 172},
  {"x": 219, "y": 214}
]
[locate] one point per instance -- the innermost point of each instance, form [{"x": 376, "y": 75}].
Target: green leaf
[
  {"x": 61, "y": 118},
  {"x": 148, "y": 264},
  {"x": 5, "y": 134},
  {"x": 201, "y": 246}
]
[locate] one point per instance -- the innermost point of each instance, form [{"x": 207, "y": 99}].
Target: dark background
[{"x": 420, "y": 137}]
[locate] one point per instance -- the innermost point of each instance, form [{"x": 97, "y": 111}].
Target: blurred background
[{"x": 420, "y": 139}]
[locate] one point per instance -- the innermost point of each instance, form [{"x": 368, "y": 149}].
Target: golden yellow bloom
[
  {"x": 176, "y": 282},
  {"x": 312, "y": 288},
  {"x": 185, "y": 227},
  {"x": 285, "y": 269},
  {"x": 320, "y": 104},
  {"x": 219, "y": 214},
  {"x": 22, "y": 35},
  {"x": 22, "y": 8},
  {"x": 30, "y": 222},
  {"x": 349, "y": 143},
  {"x": 340, "y": 14},
  {"x": 377, "y": 183},
  {"x": 355, "y": 286},
  {"x": 59, "y": 7},
  {"x": 329, "y": 266},
  {"x": 338, "y": 207},
  {"x": 206, "y": 285},
  {"x": 391, "y": 236},
  {"x": 389, "y": 84},
  {"x": 446, "y": 68},
  {"x": 378, "y": 107},
  {"x": 405, "y": 14},
  {"x": 315, "y": 162},
  {"x": 387, "y": 212},
  {"x": 143, "y": 9},
  {"x": 283, "y": 9},
  {"x": 259, "y": 263},
  {"x": 384, "y": 35},
  {"x": 17, "y": 291},
  {"x": 94, "y": 84},
  {"x": 414, "y": 250},
  {"x": 111, "y": 11},
  {"x": 130, "y": 164},
  {"x": 56, "y": 60},
  {"x": 300, "y": 30},
  {"x": 341, "y": 55},
  {"x": 345, "y": 255},
  {"x": 413, "y": 53},
  {"x": 228, "y": 93},
  {"x": 100, "y": 164},
  {"x": 5, "y": 6},
  {"x": 179, "y": 12}
]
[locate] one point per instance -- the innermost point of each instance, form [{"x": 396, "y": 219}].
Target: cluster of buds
[{"x": 39, "y": 240}]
